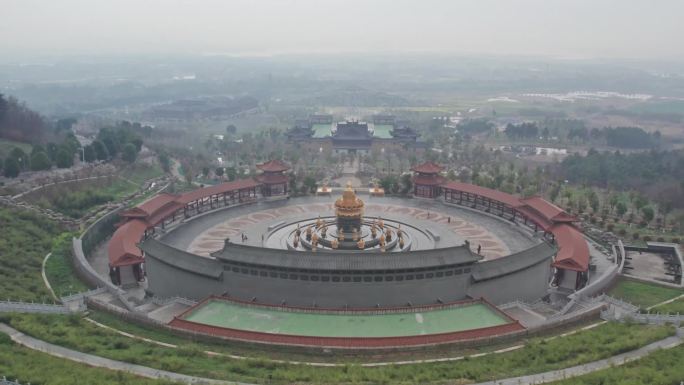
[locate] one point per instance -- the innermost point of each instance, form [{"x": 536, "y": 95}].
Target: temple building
[
  {"x": 427, "y": 180},
  {"x": 383, "y": 133},
  {"x": 272, "y": 178}
]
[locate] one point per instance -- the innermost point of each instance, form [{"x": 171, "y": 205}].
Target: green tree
[
  {"x": 648, "y": 213},
  {"x": 89, "y": 153},
  {"x": 219, "y": 171},
  {"x": 51, "y": 149},
  {"x": 101, "y": 152},
  {"x": 231, "y": 173},
  {"x": 20, "y": 156},
  {"x": 130, "y": 152},
  {"x": 37, "y": 148},
  {"x": 64, "y": 158},
  {"x": 205, "y": 171},
  {"x": 310, "y": 183},
  {"x": 407, "y": 183},
  {"x": 621, "y": 209},
  {"x": 11, "y": 168},
  {"x": 164, "y": 161},
  {"x": 593, "y": 201},
  {"x": 40, "y": 161},
  {"x": 231, "y": 129},
  {"x": 640, "y": 201}
]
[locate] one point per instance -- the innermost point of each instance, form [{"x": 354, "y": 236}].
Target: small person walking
[{"x": 479, "y": 248}]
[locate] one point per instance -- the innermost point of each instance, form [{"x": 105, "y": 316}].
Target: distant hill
[
  {"x": 204, "y": 108},
  {"x": 20, "y": 123},
  {"x": 355, "y": 97}
]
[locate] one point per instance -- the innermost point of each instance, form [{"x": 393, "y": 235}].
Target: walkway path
[
  {"x": 144, "y": 371},
  {"x": 100, "y": 362},
  {"x": 620, "y": 359}
]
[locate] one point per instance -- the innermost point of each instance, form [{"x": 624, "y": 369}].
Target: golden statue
[
  {"x": 308, "y": 233},
  {"x": 355, "y": 235},
  {"x": 334, "y": 244},
  {"x": 295, "y": 242},
  {"x": 400, "y": 233},
  {"x": 401, "y": 243},
  {"x": 374, "y": 231},
  {"x": 319, "y": 222},
  {"x": 381, "y": 223},
  {"x": 324, "y": 231},
  {"x": 388, "y": 235},
  {"x": 349, "y": 210},
  {"x": 382, "y": 240},
  {"x": 298, "y": 232},
  {"x": 340, "y": 235},
  {"x": 361, "y": 244}
]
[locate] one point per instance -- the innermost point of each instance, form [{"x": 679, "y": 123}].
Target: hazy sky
[{"x": 568, "y": 28}]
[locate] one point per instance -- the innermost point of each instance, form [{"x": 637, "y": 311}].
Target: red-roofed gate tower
[
  {"x": 426, "y": 180},
  {"x": 273, "y": 179}
]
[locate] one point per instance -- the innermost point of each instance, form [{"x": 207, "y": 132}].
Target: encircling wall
[{"x": 527, "y": 285}]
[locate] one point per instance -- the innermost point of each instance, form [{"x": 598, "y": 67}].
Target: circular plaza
[{"x": 329, "y": 270}]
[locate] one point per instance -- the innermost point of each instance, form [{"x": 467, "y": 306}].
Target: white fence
[
  {"x": 5, "y": 381},
  {"x": 28, "y": 307}
]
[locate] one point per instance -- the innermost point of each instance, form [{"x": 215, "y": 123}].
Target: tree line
[{"x": 122, "y": 140}]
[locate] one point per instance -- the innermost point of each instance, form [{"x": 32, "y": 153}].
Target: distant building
[{"x": 383, "y": 133}]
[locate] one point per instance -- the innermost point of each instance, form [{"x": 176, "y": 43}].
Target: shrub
[
  {"x": 660, "y": 239},
  {"x": 647, "y": 238},
  {"x": 120, "y": 345},
  {"x": 675, "y": 240},
  {"x": 622, "y": 232},
  {"x": 5, "y": 339},
  {"x": 635, "y": 236}
]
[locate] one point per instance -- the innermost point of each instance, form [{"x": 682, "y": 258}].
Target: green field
[
  {"x": 674, "y": 307},
  {"x": 321, "y": 130},
  {"x": 6, "y": 146},
  {"x": 642, "y": 293},
  {"x": 537, "y": 356},
  {"x": 383, "y": 131},
  {"x": 267, "y": 320}
]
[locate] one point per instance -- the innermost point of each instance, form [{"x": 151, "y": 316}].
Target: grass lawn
[
  {"x": 25, "y": 239},
  {"x": 538, "y": 356},
  {"x": 75, "y": 199},
  {"x": 59, "y": 270},
  {"x": 662, "y": 367},
  {"x": 643, "y": 294},
  {"x": 139, "y": 173},
  {"x": 6, "y": 146},
  {"x": 673, "y": 307},
  {"x": 29, "y": 366}
]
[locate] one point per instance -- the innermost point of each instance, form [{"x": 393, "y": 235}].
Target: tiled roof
[
  {"x": 428, "y": 168},
  {"x": 273, "y": 166}
]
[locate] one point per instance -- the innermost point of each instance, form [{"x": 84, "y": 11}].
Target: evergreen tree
[
  {"x": 40, "y": 161},
  {"x": 64, "y": 158},
  {"x": 11, "y": 169},
  {"x": 130, "y": 152}
]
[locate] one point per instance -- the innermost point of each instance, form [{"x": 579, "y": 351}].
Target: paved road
[{"x": 144, "y": 371}]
